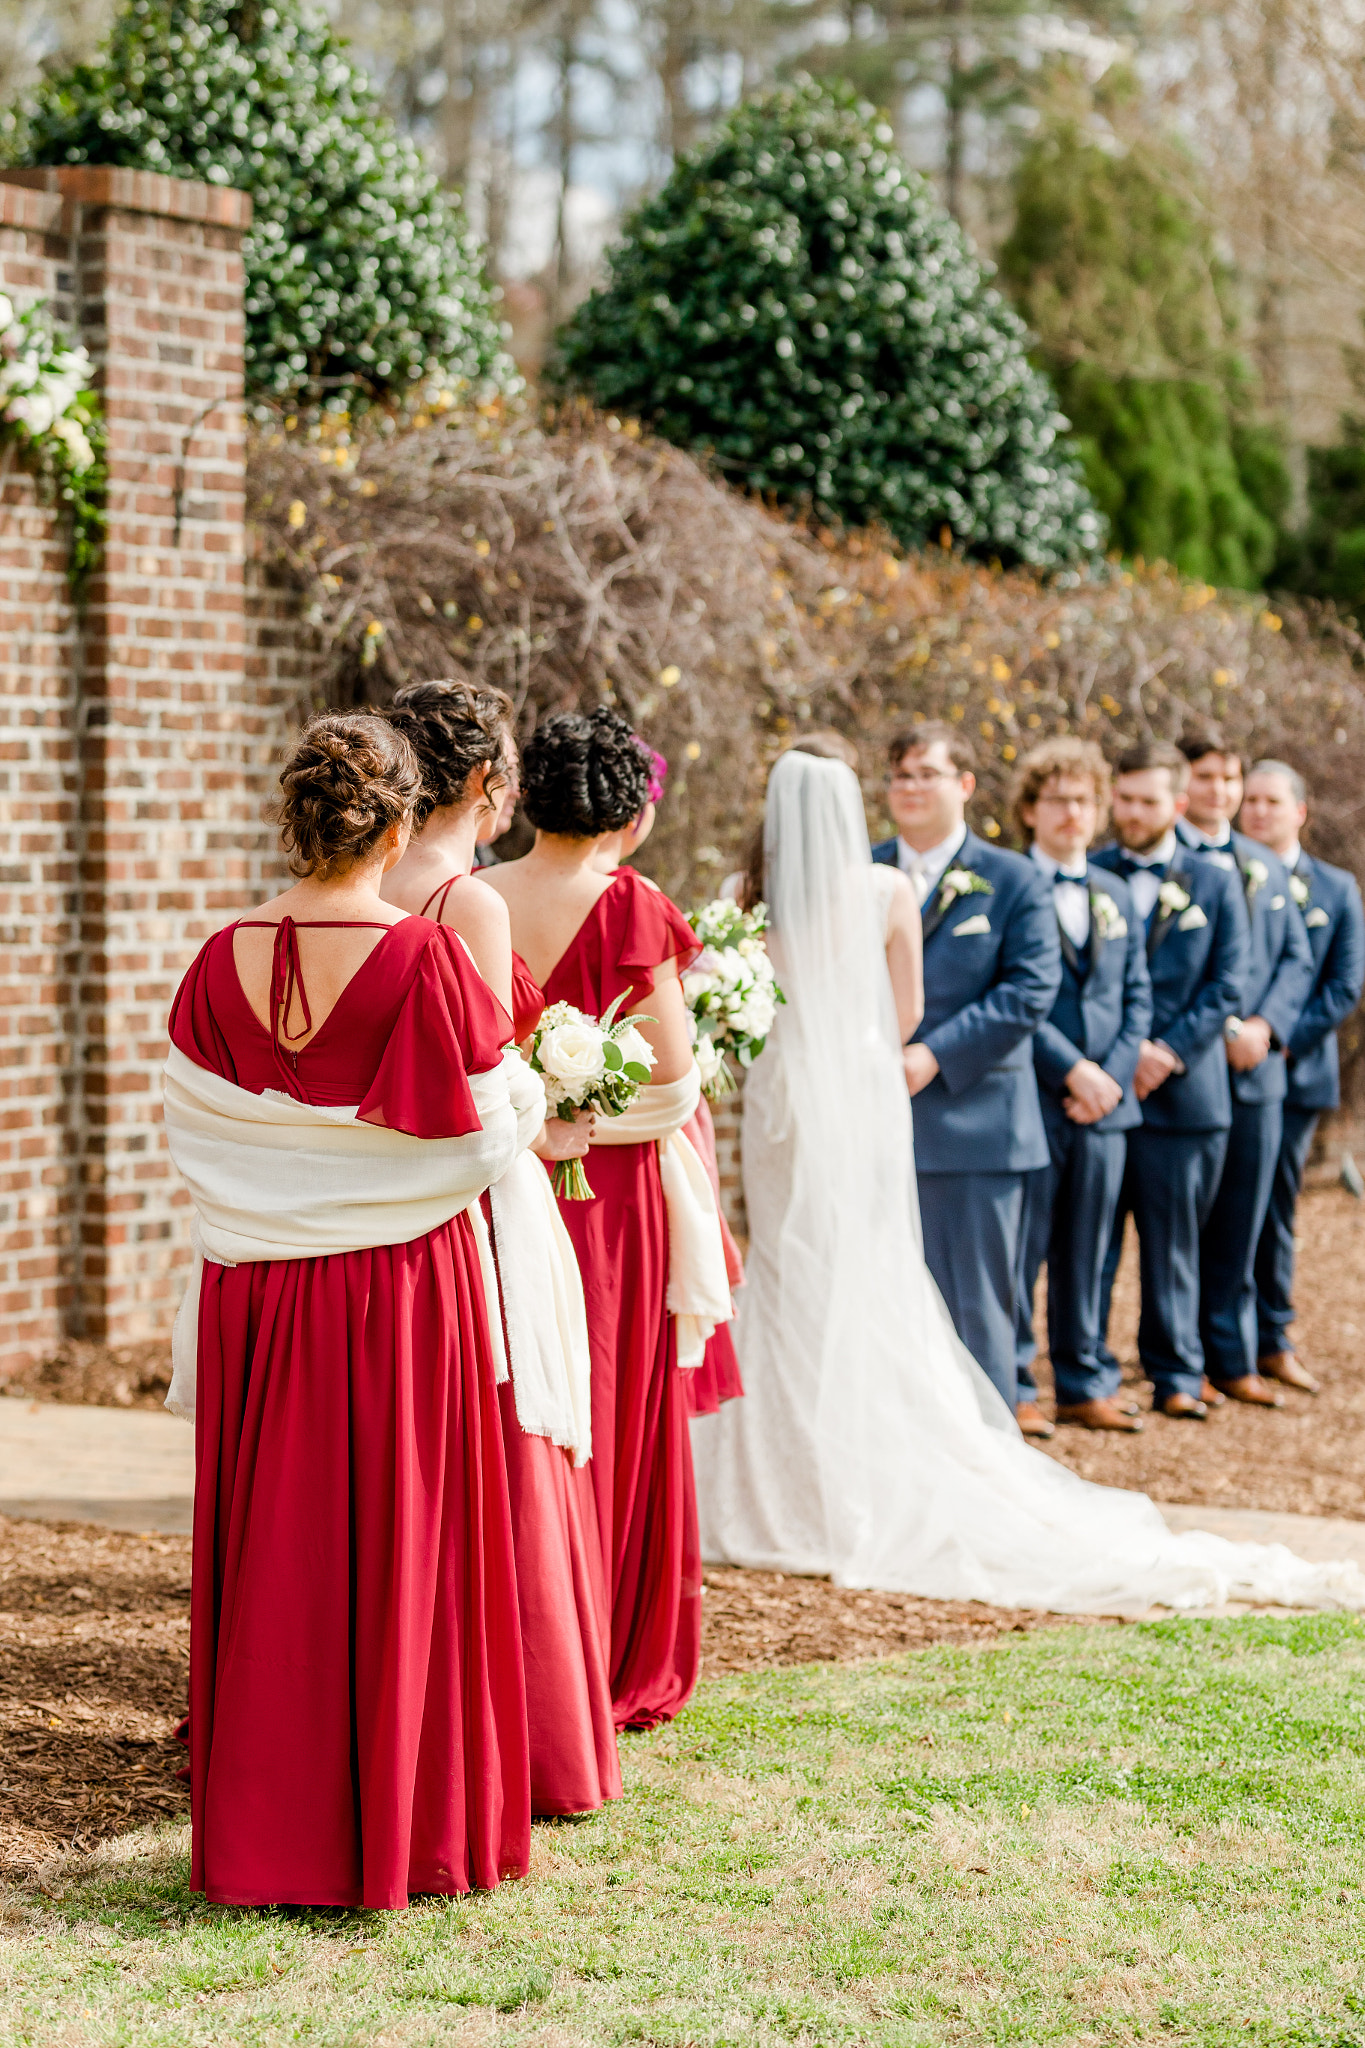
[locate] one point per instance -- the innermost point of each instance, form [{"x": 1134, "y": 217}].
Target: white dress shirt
[
  {"x": 926, "y": 870},
  {"x": 1145, "y": 886},
  {"x": 1222, "y": 837},
  {"x": 1293, "y": 856},
  {"x": 1069, "y": 893}
]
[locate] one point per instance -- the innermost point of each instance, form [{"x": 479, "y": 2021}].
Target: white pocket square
[
  {"x": 1316, "y": 919},
  {"x": 1191, "y": 920},
  {"x": 1277, "y": 902},
  {"x": 971, "y": 927}
]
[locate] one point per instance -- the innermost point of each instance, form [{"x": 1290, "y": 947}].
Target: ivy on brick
[
  {"x": 795, "y": 301},
  {"x": 363, "y": 278}
]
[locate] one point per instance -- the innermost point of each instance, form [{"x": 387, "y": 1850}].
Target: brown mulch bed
[
  {"x": 1307, "y": 1458},
  {"x": 94, "y": 1637}
]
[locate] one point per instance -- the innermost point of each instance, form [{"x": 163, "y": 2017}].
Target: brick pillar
[{"x": 154, "y": 273}]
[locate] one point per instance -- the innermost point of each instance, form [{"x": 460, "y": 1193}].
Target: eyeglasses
[
  {"x": 923, "y": 778},
  {"x": 1065, "y": 803}
]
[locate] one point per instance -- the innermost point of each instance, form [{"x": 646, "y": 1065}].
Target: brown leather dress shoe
[
  {"x": 1289, "y": 1370},
  {"x": 1032, "y": 1421},
  {"x": 1184, "y": 1408},
  {"x": 1210, "y": 1395},
  {"x": 1256, "y": 1392},
  {"x": 1100, "y": 1415}
]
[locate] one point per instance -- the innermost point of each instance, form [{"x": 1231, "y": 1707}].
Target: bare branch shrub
[{"x": 589, "y": 564}]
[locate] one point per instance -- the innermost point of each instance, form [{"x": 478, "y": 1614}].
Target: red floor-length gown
[
  {"x": 358, "y": 1730},
  {"x": 717, "y": 1378},
  {"x": 642, "y": 1458},
  {"x": 561, "y": 1585}
]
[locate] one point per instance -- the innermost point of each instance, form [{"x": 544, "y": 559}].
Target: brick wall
[{"x": 128, "y": 761}]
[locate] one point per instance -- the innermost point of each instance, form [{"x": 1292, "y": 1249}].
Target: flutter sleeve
[
  {"x": 195, "y": 1027},
  {"x": 641, "y": 930},
  {"x": 450, "y": 1025},
  {"x": 528, "y": 999}
]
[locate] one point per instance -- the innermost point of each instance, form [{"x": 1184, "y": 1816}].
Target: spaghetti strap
[
  {"x": 286, "y": 974},
  {"x": 442, "y": 890}
]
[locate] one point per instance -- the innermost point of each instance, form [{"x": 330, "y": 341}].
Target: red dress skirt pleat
[
  {"x": 565, "y": 1624},
  {"x": 359, "y": 1724},
  {"x": 642, "y": 1456}
]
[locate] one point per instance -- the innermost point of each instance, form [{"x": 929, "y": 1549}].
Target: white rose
[
  {"x": 32, "y": 411},
  {"x": 72, "y": 434},
  {"x": 633, "y": 1045},
  {"x": 708, "y": 1057},
  {"x": 695, "y": 985},
  {"x": 6, "y": 312},
  {"x": 571, "y": 1053}
]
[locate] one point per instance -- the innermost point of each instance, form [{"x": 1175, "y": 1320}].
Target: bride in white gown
[{"x": 870, "y": 1445}]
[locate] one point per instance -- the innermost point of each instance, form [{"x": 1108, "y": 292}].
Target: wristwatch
[{"x": 1232, "y": 1029}]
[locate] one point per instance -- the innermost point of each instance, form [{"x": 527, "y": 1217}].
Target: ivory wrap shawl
[
  {"x": 698, "y": 1294},
  {"x": 274, "y": 1178}
]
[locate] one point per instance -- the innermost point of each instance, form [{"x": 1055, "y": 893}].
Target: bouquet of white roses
[
  {"x": 587, "y": 1063},
  {"x": 730, "y": 991}
]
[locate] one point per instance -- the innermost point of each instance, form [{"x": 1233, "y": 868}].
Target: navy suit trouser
[
  {"x": 1169, "y": 1186},
  {"x": 1070, "y": 1206},
  {"x": 973, "y": 1231},
  {"x": 1227, "y": 1252},
  {"x": 1275, "y": 1252}
]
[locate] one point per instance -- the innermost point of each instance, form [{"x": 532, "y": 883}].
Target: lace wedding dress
[{"x": 870, "y": 1445}]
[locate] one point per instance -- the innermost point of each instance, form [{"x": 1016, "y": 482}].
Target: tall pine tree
[
  {"x": 795, "y": 302},
  {"x": 362, "y": 277}
]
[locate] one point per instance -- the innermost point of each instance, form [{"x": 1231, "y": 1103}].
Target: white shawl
[
  {"x": 273, "y": 1178},
  {"x": 698, "y": 1281}
]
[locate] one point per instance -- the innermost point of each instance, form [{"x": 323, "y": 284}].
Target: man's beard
[{"x": 1141, "y": 845}]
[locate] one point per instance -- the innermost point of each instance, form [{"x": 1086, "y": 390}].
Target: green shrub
[
  {"x": 362, "y": 278},
  {"x": 796, "y": 302}
]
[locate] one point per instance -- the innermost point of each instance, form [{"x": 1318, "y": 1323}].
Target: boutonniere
[
  {"x": 1110, "y": 922},
  {"x": 961, "y": 882},
  {"x": 1171, "y": 898},
  {"x": 1257, "y": 875},
  {"x": 1299, "y": 890}
]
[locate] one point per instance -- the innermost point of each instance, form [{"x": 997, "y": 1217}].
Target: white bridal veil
[{"x": 870, "y": 1445}]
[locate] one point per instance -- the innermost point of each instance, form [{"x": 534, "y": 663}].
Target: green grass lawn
[{"x": 1083, "y": 1835}]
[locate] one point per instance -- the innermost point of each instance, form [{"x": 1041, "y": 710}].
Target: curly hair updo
[
  {"x": 346, "y": 779},
  {"x": 583, "y": 776},
  {"x": 454, "y": 728}
]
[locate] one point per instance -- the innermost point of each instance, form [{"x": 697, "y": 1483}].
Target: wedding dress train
[{"x": 870, "y": 1445}]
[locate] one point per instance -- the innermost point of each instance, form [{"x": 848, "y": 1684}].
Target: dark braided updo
[
  {"x": 347, "y": 778},
  {"x": 454, "y": 728},
  {"x": 584, "y": 775}
]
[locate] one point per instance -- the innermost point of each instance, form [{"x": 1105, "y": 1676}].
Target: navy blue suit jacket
[
  {"x": 1197, "y": 959},
  {"x": 985, "y": 994},
  {"x": 1103, "y": 1009},
  {"x": 1280, "y": 970},
  {"x": 1335, "y": 924}
]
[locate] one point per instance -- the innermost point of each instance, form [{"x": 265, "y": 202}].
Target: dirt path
[{"x": 1307, "y": 1458}]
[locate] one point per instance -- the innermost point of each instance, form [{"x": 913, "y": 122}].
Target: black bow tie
[{"x": 1130, "y": 866}]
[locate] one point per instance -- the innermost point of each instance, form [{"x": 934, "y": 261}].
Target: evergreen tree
[
  {"x": 1113, "y": 269},
  {"x": 796, "y": 302},
  {"x": 362, "y": 278}
]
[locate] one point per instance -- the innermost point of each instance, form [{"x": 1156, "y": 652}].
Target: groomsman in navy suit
[
  {"x": 1279, "y": 977},
  {"x": 1274, "y": 812},
  {"x": 992, "y": 967},
  {"x": 1085, "y": 1056},
  {"x": 1197, "y": 953}
]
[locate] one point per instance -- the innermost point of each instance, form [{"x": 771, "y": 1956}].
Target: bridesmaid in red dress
[
  {"x": 717, "y": 1379},
  {"x": 588, "y": 936},
  {"x": 359, "y": 1712},
  {"x": 461, "y": 737}
]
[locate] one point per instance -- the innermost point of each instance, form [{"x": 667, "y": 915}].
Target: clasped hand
[
  {"x": 1156, "y": 1063},
  {"x": 1090, "y": 1093},
  {"x": 560, "y": 1139},
  {"x": 1250, "y": 1046}
]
